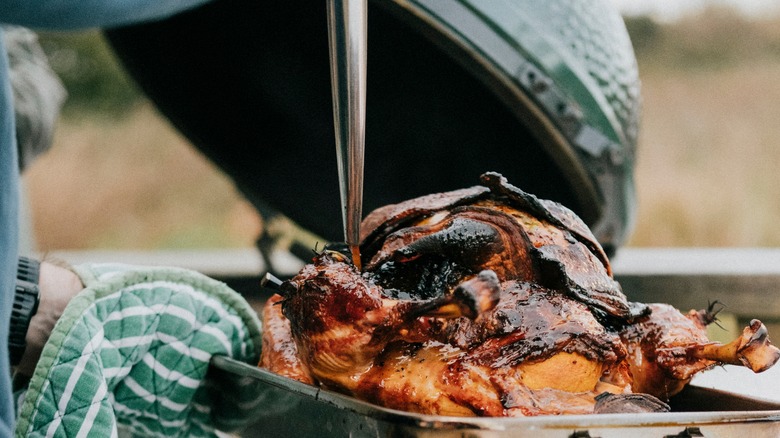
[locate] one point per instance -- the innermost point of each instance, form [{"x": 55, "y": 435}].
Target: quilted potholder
[{"x": 132, "y": 350}]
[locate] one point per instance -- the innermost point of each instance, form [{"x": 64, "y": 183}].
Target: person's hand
[{"x": 57, "y": 286}]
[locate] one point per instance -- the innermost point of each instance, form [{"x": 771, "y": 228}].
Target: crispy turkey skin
[{"x": 487, "y": 301}]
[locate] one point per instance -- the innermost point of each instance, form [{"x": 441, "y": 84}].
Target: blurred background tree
[
  {"x": 709, "y": 133},
  {"x": 96, "y": 83}
]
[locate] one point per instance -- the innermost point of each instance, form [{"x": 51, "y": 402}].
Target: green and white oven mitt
[{"x": 131, "y": 351}]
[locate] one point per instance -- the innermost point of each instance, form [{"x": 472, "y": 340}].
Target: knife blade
[{"x": 347, "y": 22}]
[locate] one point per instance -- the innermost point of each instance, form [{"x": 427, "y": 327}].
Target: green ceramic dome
[{"x": 544, "y": 92}]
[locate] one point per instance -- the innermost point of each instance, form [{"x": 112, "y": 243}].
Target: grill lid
[{"x": 545, "y": 93}]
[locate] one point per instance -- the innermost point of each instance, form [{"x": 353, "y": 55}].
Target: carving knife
[{"x": 347, "y": 47}]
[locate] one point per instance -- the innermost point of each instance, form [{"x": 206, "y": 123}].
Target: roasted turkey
[{"x": 487, "y": 301}]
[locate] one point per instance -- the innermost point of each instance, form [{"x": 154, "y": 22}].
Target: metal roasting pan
[
  {"x": 292, "y": 409},
  {"x": 748, "y": 279}
]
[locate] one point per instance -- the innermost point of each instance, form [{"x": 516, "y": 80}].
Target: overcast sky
[{"x": 672, "y": 9}]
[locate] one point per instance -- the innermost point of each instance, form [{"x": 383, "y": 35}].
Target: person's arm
[
  {"x": 80, "y": 14},
  {"x": 57, "y": 286}
]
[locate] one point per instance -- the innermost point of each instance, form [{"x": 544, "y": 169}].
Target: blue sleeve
[
  {"x": 9, "y": 201},
  {"x": 55, "y": 15},
  {"x": 80, "y": 14}
]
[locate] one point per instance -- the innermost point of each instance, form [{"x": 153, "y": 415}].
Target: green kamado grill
[{"x": 545, "y": 93}]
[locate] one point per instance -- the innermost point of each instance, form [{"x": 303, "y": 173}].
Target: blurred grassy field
[
  {"x": 133, "y": 182},
  {"x": 120, "y": 177},
  {"x": 710, "y": 135}
]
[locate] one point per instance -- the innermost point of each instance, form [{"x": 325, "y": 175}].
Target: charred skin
[
  {"x": 341, "y": 321},
  {"x": 479, "y": 350},
  {"x": 333, "y": 317},
  {"x": 666, "y": 349},
  {"x": 488, "y": 301},
  {"x": 280, "y": 353},
  {"x": 496, "y": 226}
]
